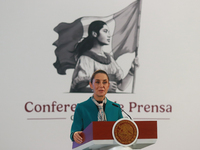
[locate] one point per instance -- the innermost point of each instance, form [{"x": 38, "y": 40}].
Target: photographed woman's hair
[
  {"x": 96, "y": 72},
  {"x": 88, "y": 42}
]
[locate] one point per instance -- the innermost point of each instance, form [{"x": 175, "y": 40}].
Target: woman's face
[
  {"x": 104, "y": 35},
  {"x": 100, "y": 86}
]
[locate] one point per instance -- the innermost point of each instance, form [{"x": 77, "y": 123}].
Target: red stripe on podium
[{"x": 147, "y": 129}]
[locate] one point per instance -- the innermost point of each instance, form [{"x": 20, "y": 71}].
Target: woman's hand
[
  {"x": 135, "y": 62},
  {"x": 77, "y": 137},
  {"x": 127, "y": 80},
  {"x": 112, "y": 87}
]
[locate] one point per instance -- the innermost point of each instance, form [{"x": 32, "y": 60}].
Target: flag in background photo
[{"x": 123, "y": 25}]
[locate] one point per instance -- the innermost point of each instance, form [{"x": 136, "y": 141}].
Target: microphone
[{"x": 121, "y": 110}]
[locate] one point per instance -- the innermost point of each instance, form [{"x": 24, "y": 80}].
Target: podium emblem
[{"x": 125, "y": 132}]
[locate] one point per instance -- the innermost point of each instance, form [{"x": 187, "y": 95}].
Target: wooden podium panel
[
  {"x": 147, "y": 129},
  {"x": 99, "y": 134}
]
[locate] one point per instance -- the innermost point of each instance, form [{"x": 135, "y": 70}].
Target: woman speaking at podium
[{"x": 96, "y": 108}]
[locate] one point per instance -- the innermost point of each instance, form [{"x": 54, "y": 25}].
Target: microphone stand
[{"x": 122, "y": 110}]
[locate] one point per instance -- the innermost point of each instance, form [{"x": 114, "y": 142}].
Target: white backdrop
[{"x": 169, "y": 71}]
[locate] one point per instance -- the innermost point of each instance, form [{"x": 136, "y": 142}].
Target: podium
[{"x": 98, "y": 136}]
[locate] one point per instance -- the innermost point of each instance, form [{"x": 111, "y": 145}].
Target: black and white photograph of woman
[{"x": 91, "y": 57}]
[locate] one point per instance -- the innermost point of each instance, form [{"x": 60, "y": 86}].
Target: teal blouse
[{"x": 87, "y": 111}]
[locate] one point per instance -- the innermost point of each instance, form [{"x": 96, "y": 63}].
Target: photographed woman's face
[
  {"x": 100, "y": 85},
  {"x": 104, "y": 35}
]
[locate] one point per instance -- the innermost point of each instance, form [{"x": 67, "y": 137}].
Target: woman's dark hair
[
  {"x": 96, "y": 72},
  {"x": 88, "y": 42}
]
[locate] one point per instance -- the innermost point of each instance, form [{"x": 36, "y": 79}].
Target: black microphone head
[{"x": 115, "y": 105}]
